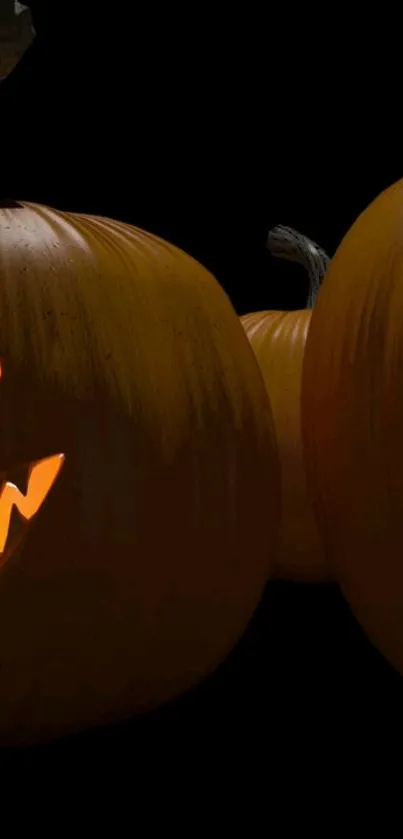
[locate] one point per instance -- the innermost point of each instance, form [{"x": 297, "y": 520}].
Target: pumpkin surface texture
[
  {"x": 278, "y": 340},
  {"x": 139, "y": 498},
  {"x": 352, "y": 419}
]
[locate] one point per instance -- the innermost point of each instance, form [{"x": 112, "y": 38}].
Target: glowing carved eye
[{"x": 42, "y": 476}]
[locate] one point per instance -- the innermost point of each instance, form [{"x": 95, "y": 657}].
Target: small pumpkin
[
  {"x": 352, "y": 418},
  {"x": 278, "y": 340},
  {"x": 139, "y": 469}
]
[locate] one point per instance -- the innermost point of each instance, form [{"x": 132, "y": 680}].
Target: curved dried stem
[{"x": 287, "y": 243}]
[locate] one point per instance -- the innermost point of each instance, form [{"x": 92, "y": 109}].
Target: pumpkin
[
  {"x": 139, "y": 498},
  {"x": 278, "y": 340},
  {"x": 352, "y": 419}
]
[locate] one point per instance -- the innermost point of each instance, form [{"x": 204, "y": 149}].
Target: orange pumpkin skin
[
  {"x": 278, "y": 340},
  {"x": 148, "y": 556},
  {"x": 352, "y": 418}
]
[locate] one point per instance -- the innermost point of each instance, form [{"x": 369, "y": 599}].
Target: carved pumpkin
[
  {"x": 352, "y": 418},
  {"x": 132, "y": 397},
  {"x": 278, "y": 340}
]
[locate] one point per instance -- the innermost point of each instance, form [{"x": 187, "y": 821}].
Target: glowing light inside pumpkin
[{"x": 41, "y": 478}]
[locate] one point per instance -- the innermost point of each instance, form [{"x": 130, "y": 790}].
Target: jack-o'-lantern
[{"x": 140, "y": 478}]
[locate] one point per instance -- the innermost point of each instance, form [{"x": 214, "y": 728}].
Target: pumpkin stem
[{"x": 287, "y": 243}]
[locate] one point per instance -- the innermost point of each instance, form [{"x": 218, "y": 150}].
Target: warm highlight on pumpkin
[
  {"x": 278, "y": 340},
  {"x": 149, "y": 554},
  {"x": 352, "y": 418}
]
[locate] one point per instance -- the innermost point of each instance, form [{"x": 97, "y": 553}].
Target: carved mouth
[{"x": 22, "y": 494}]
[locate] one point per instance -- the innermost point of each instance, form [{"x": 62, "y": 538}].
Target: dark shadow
[{"x": 142, "y": 116}]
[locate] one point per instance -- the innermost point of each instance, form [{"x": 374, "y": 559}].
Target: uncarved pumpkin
[
  {"x": 352, "y": 418},
  {"x": 131, "y": 402},
  {"x": 278, "y": 340}
]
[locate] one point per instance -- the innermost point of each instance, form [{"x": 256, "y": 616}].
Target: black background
[{"x": 178, "y": 124}]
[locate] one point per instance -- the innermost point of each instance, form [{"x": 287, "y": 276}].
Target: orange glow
[{"x": 41, "y": 478}]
